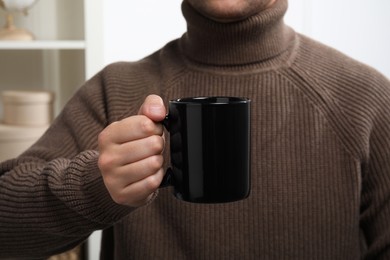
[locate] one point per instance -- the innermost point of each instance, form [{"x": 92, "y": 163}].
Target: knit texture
[{"x": 320, "y": 132}]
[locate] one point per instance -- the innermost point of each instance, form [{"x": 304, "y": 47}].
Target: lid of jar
[
  {"x": 27, "y": 96},
  {"x": 13, "y": 133}
]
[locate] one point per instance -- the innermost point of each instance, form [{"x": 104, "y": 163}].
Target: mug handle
[{"x": 167, "y": 180}]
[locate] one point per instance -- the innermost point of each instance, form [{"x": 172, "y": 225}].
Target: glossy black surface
[{"x": 210, "y": 148}]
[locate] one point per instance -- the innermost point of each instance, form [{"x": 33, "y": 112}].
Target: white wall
[
  {"x": 134, "y": 29},
  {"x": 358, "y": 28}
]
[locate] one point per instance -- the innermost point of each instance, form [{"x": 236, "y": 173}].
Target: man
[{"x": 320, "y": 154}]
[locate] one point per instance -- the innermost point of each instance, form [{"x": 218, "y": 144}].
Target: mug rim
[{"x": 211, "y": 100}]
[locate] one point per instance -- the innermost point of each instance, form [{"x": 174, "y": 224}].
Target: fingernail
[{"x": 155, "y": 109}]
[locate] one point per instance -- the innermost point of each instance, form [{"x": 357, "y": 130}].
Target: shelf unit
[
  {"x": 67, "y": 50},
  {"x": 43, "y": 45}
]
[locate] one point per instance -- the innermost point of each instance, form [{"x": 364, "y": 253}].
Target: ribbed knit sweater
[{"x": 320, "y": 155}]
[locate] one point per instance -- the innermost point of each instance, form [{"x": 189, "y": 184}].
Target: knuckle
[
  {"x": 152, "y": 183},
  {"x": 102, "y": 138},
  {"x": 155, "y": 162},
  {"x": 156, "y": 144},
  {"x": 147, "y": 126},
  {"x": 104, "y": 162},
  {"x": 119, "y": 198}
]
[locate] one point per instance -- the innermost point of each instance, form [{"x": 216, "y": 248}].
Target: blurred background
[
  {"x": 74, "y": 39},
  {"x": 357, "y": 27}
]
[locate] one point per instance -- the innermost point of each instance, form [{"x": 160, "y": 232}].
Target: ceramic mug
[{"x": 209, "y": 149}]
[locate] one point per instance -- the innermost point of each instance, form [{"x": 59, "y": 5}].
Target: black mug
[{"x": 209, "y": 149}]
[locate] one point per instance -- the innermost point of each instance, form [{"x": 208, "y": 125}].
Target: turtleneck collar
[{"x": 257, "y": 38}]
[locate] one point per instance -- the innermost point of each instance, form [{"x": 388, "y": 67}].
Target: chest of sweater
[
  {"x": 305, "y": 186},
  {"x": 295, "y": 151}
]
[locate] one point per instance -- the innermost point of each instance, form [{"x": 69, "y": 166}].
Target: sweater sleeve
[
  {"x": 375, "y": 201},
  {"x": 356, "y": 101},
  {"x": 53, "y": 196}
]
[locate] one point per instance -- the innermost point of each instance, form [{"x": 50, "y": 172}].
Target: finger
[
  {"x": 129, "y": 129},
  {"x": 116, "y": 156},
  {"x": 138, "y": 193},
  {"x": 153, "y": 107},
  {"x": 131, "y": 173},
  {"x": 140, "y": 149}
]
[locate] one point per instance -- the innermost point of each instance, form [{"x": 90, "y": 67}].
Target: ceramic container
[
  {"x": 16, "y": 139},
  {"x": 27, "y": 108}
]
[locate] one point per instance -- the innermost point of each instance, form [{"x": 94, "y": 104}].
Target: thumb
[{"x": 153, "y": 107}]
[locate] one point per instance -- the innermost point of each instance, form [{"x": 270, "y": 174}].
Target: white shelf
[
  {"x": 43, "y": 45},
  {"x": 71, "y": 53}
]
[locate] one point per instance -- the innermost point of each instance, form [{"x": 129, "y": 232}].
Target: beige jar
[
  {"x": 27, "y": 108},
  {"x": 14, "y": 140}
]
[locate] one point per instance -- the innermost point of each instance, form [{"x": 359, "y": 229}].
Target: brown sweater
[{"x": 320, "y": 155}]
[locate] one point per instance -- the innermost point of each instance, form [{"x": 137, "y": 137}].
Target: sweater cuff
[{"x": 92, "y": 199}]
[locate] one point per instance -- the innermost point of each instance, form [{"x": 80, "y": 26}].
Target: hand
[{"x": 130, "y": 157}]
